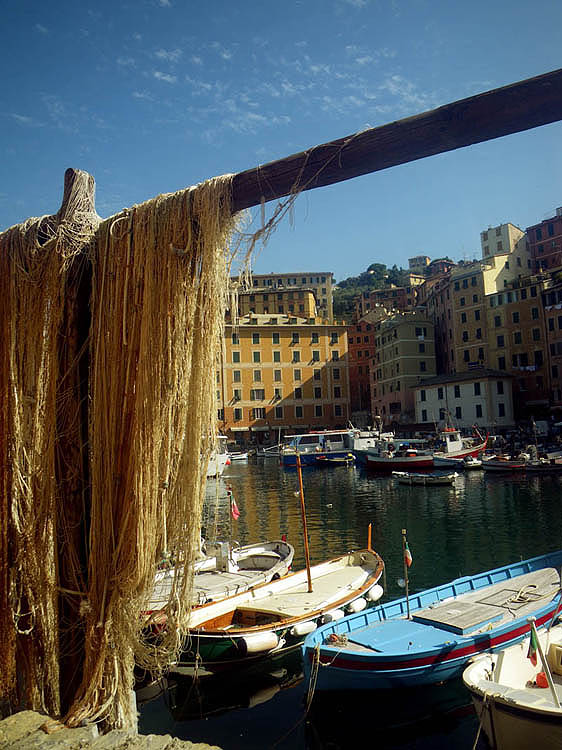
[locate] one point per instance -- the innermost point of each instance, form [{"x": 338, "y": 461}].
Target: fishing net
[{"x": 82, "y": 532}]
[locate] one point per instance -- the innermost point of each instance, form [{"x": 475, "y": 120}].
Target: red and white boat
[
  {"x": 454, "y": 446},
  {"x": 386, "y": 456}
]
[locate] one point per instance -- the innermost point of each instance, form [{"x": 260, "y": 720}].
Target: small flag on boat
[
  {"x": 407, "y": 554},
  {"x": 234, "y": 508},
  {"x": 533, "y": 647}
]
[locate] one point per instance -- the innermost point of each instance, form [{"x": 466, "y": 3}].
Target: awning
[
  {"x": 239, "y": 429},
  {"x": 265, "y": 428}
]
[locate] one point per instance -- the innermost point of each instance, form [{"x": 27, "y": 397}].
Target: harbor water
[{"x": 480, "y": 523}]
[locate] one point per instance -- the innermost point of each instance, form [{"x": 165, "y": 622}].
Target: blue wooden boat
[
  {"x": 322, "y": 448},
  {"x": 449, "y": 624}
]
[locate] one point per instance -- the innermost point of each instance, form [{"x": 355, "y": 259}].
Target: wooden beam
[{"x": 511, "y": 109}]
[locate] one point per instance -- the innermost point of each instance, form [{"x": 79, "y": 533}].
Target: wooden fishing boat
[
  {"x": 504, "y": 463},
  {"x": 315, "y": 448},
  {"x": 225, "y": 571},
  {"x": 544, "y": 466},
  {"x": 516, "y": 705},
  {"x": 385, "y": 457},
  {"x": 426, "y": 480},
  {"x": 384, "y": 648},
  {"x": 453, "y": 445},
  {"x": 274, "y": 617}
]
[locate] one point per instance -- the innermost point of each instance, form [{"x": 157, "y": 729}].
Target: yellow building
[
  {"x": 404, "y": 354},
  {"x": 282, "y": 374},
  {"x": 320, "y": 282},
  {"x": 280, "y": 301}
]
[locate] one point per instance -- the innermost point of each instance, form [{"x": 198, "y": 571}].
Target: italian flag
[
  {"x": 407, "y": 555},
  {"x": 533, "y": 648}
]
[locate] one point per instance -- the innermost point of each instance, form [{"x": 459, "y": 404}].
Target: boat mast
[{"x": 305, "y": 532}]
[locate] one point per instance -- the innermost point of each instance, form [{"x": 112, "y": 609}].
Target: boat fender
[
  {"x": 302, "y": 628},
  {"x": 375, "y": 593},
  {"x": 334, "y": 614},
  {"x": 258, "y": 642},
  {"x": 357, "y": 605}
]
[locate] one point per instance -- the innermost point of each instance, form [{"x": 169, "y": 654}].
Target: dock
[{"x": 30, "y": 730}]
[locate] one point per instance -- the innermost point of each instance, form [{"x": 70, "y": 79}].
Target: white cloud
[
  {"x": 172, "y": 56},
  {"x": 126, "y": 62},
  {"x": 164, "y": 3},
  {"x": 356, "y": 3},
  {"x": 166, "y": 77},
  {"x": 142, "y": 95},
  {"x": 22, "y": 119},
  {"x": 196, "y": 60},
  {"x": 41, "y": 29}
]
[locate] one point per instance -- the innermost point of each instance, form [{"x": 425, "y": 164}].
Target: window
[
  {"x": 463, "y": 317},
  {"x": 500, "y": 342},
  {"x": 465, "y": 335},
  {"x": 458, "y": 412},
  {"x": 314, "y": 338},
  {"x": 257, "y": 376},
  {"x": 497, "y": 321},
  {"x": 298, "y": 412},
  {"x": 257, "y": 394},
  {"x": 422, "y": 395},
  {"x": 457, "y": 391},
  {"x": 477, "y": 315},
  {"x": 317, "y": 392},
  {"x": 501, "y": 363},
  {"x": 478, "y": 333},
  {"x": 535, "y": 313},
  {"x": 424, "y": 415},
  {"x": 334, "y": 337},
  {"x": 318, "y": 410},
  {"x": 236, "y": 376},
  {"x": 296, "y": 356},
  {"x": 236, "y": 356},
  {"x": 278, "y": 412},
  {"x": 277, "y": 356},
  {"x": 463, "y": 301},
  {"x": 478, "y": 411},
  {"x": 538, "y": 359},
  {"x": 536, "y": 334},
  {"x": 337, "y": 391},
  {"x": 296, "y": 375},
  {"x": 220, "y": 415},
  {"x": 237, "y": 415},
  {"x": 501, "y": 410},
  {"x": 235, "y": 339},
  {"x": 277, "y": 376},
  {"x": 466, "y": 355},
  {"x": 255, "y": 338},
  {"x": 237, "y": 394},
  {"x": 256, "y": 356},
  {"x": 480, "y": 353},
  {"x": 422, "y": 366},
  {"x": 315, "y": 355},
  {"x": 517, "y": 338},
  {"x": 316, "y": 375},
  {"x": 336, "y": 373},
  {"x": 440, "y": 393},
  {"x": 457, "y": 286},
  {"x": 275, "y": 338},
  {"x": 258, "y": 412},
  {"x": 420, "y": 346},
  {"x": 335, "y": 356},
  {"x": 298, "y": 393},
  {"x": 515, "y": 316},
  {"x": 296, "y": 338},
  {"x": 337, "y": 410},
  {"x": 551, "y": 324},
  {"x": 477, "y": 389}
]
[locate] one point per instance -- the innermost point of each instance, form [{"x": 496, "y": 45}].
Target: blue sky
[{"x": 150, "y": 96}]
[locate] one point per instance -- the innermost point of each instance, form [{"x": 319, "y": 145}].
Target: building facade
[
  {"x": 545, "y": 243},
  {"x": 321, "y": 282},
  {"x": 282, "y": 374}
]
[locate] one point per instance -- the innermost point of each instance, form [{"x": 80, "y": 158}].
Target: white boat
[
  {"x": 225, "y": 571},
  {"x": 460, "y": 464},
  {"x": 517, "y": 705},
  {"x": 271, "y": 451},
  {"x": 238, "y": 456},
  {"x": 453, "y": 445},
  {"x": 428, "y": 480},
  {"x": 219, "y": 458},
  {"x": 274, "y": 617}
]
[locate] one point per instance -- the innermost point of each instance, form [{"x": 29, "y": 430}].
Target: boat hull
[
  {"x": 382, "y": 648},
  {"x": 405, "y": 463},
  {"x": 324, "y": 458}
]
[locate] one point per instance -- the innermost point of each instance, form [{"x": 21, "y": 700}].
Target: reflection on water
[{"x": 481, "y": 522}]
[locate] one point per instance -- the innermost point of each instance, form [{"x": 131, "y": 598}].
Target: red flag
[
  {"x": 407, "y": 555},
  {"x": 234, "y": 508}
]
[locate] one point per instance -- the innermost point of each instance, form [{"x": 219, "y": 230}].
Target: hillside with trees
[{"x": 377, "y": 276}]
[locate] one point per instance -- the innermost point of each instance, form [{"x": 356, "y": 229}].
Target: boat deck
[
  {"x": 465, "y": 615},
  {"x": 515, "y": 597},
  {"x": 326, "y": 590}
]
